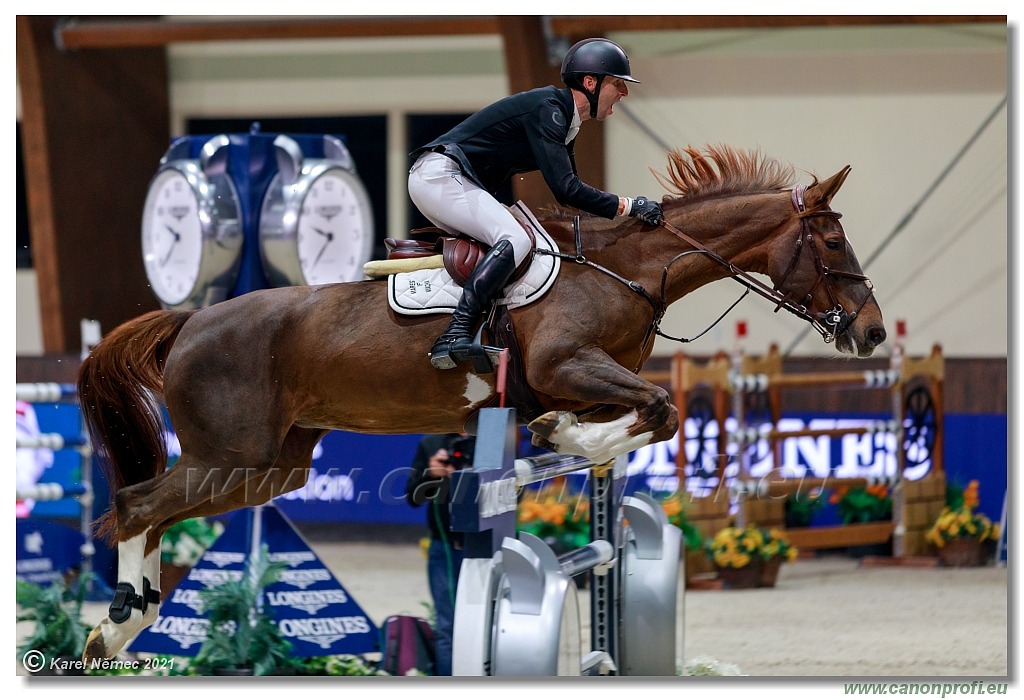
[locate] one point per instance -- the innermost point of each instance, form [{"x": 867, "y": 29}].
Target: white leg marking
[
  {"x": 151, "y": 570},
  {"x": 132, "y": 565},
  {"x": 600, "y": 442}
]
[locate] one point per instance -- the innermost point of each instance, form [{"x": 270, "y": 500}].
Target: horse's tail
[{"x": 118, "y": 384}]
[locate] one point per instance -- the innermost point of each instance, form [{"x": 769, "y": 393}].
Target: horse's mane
[
  {"x": 720, "y": 171},
  {"x": 716, "y": 171}
]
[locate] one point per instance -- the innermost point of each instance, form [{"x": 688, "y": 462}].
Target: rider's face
[{"x": 612, "y": 90}]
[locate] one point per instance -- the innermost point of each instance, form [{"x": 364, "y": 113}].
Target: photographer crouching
[{"x": 437, "y": 456}]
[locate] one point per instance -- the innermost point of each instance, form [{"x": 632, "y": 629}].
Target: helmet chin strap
[{"x": 593, "y": 97}]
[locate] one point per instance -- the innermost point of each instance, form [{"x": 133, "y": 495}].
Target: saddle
[
  {"x": 460, "y": 253},
  {"x": 427, "y": 273}
]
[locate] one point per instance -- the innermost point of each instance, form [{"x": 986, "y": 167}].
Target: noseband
[{"x": 829, "y": 324}]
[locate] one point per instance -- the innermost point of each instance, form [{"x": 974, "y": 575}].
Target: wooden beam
[
  {"x": 596, "y": 25},
  {"x": 94, "y": 127},
  {"x": 109, "y": 34},
  {"x": 831, "y": 537}
]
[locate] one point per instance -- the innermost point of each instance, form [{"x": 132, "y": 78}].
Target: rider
[{"x": 454, "y": 177}]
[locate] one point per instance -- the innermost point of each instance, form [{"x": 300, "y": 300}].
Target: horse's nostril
[{"x": 876, "y": 335}]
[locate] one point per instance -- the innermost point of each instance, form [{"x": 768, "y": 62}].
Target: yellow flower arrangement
[
  {"x": 776, "y": 545},
  {"x": 734, "y": 547},
  {"x": 961, "y": 522},
  {"x": 958, "y": 519}
]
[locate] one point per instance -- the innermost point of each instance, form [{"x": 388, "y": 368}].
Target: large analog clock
[
  {"x": 316, "y": 224},
  {"x": 192, "y": 228}
]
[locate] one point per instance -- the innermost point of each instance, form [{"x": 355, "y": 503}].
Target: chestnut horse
[{"x": 252, "y": 384}]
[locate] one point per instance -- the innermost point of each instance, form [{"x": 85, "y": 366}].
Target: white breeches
[{"x": 445, "y": 196}]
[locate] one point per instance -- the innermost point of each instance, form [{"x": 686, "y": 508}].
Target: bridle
[{"x": 830, "y": 324}]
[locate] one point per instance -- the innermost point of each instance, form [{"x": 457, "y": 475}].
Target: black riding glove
[{"x": 647, "y": 211}]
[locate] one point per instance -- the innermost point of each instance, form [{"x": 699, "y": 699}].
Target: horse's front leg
[{"x": 633, "y": 412}]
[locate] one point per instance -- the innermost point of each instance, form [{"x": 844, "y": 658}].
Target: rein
[{"x": 829, "y": 324}]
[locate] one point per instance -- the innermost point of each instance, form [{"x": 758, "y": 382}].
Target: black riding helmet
[{"x": 597, "y": 57}]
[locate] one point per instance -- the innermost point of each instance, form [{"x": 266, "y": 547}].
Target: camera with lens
[{"x": 460, "y": 452}]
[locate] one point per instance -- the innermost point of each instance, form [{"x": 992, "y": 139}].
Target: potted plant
[
  {"x": 960, "y": 533},
  {"x": 775, "y": 550},
  {"x": 736, "y": 554},
  {"x": 58, "y": 637},
  {"x": 182, "y": 546},
  {"x": 801, "y": 507},
  {"x": 241, "y": 639},
  {"x": 862, "y": 504}
]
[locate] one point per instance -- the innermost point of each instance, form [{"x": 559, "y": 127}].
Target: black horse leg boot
[{"x": 487, "y": 281}]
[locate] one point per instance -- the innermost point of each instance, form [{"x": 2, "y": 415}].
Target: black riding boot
[{"x": 487, "y": 281}]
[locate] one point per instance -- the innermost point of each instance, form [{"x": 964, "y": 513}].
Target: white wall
[
  {"x": 28, "y": 330},
  {"x": 896, "y": 103},
  {"x": 898, "y": 111}
]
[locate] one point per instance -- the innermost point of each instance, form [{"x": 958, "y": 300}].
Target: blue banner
[
  {"x": 356, "y": 478},
  {"x": 46, "y": 551},
  {"x": 311, "y": 608}
]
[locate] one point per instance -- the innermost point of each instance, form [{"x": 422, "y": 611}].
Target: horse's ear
[{"x": 821, "y": 193}]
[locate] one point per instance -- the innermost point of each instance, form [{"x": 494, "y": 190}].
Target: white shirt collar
[{"x": 574, "y": 127}]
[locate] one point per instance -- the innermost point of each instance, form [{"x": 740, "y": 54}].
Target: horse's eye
[{"x": 833, "y": 244}]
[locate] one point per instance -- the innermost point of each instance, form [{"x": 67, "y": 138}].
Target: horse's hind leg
[
  {"x": 188, "y": 490},
  {"x": 137, "y": 595},
  {"x": 290, "y": 472}
]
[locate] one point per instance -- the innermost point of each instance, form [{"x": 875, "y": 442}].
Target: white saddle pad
[{"x": 433, "y": 291}]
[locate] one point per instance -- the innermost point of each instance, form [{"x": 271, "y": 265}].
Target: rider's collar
[{"x": 574, "y": 126}]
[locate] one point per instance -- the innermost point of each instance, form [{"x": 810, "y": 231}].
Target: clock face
[
  {"x": 317, "y": 229},
  {"x": 334, "y": 229},
  {"x": 172, "y": 237}
]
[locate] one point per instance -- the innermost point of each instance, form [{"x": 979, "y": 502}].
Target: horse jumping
[{"x": 253, "y": 383}]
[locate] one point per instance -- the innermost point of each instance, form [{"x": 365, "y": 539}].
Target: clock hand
[
  {"x": 177, "y": 237},
  {"x": 330, "y": 237},
  {"x": 326, "y": 234}
]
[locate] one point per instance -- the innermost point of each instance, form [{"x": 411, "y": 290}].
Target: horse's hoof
[
  {"x": 543, "y": 426},
  {"x": 543, "y": 443},
  {"x": 548, "y": 425},
  {"x": 94, "y": 646}
]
